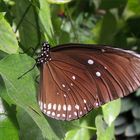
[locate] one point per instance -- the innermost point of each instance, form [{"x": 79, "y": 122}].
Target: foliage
[
  {"x": 25, "y": 24},
  {"x": 127, "y": 125}
]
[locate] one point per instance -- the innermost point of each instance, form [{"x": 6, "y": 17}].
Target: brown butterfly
[{"x": 76, "y": 78}]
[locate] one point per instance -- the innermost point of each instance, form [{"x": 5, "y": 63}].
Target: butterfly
[{"x": 76, "y": 78}]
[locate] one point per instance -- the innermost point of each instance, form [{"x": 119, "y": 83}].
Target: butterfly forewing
[{"x": 79, "y": 78}]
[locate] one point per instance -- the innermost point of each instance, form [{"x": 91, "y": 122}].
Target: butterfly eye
[{"x": 76, "y": 78}]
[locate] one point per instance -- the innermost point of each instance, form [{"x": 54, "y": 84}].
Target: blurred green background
[{"x": 24, "y": 25}]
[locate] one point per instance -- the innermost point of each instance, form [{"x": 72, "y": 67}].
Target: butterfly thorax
[{"x": 44, "y": 56}]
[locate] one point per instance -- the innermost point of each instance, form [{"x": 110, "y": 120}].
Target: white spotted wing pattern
[{"x": 79, "y": 78}]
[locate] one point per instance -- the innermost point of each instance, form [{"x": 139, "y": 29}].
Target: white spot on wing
[
  {"x": 71, "y": 84},
  {"x": 73, "y": 77},
  {"x": 48, "y": 112},
  {"x": 77, "y": 107},
  {"x": 69, "y": 107},
  {"x": 63, "y": 115},
  {"x": 96, "y": 104},
  {"x": 69, "y": 116},
  {"x": 75, "y": 113},
  {"x": 44, "y": 105},
  {"x": 54, "y": 107},
  {"x": 103, "y": 50},
  {"x": 98, "y": 74},
  {"x": 49, "y": 106},
  {"x": 65, "y": 95},
  {"x": 81, "y": 113},
  {"x": 59, "y": 107},
  {"x": 53, "y": 113},
  {"x": 63, "y": 85},
  {"x": 58, "y": 115},
  {"x": 64, "y": 107},
  {"x": 90, "y": 62},
  {"x": 85, "y": 101}
]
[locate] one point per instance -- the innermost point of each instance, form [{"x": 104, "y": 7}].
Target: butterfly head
[{"x": 44, "y": 56}]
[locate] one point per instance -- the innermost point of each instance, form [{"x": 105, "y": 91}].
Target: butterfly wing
[{"x": 82, "y": 77}]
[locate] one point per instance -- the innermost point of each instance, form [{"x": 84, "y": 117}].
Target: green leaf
[
  {"x": 62, "y": 127},
  {"x": 136, "y": 111},
  {"x": 138, "y": 92},
  {"x": 104, "y": 132},
  {"x": 76, "y": 134},
  {"x": 120, "y": 129},
  {"x": 133, "y": 7},
  {"x": 133, "y": 26},
  {"x": 45, "y": 19},
  {"x": 8, "y": 41},
  {"x": 23, "y": 91},
  {"x": 2, "y": 6},
  {"x": 137, "y": 126},
  {"x": 82, "y": 133},
  {"x": 111, "y": 111},
  {"x": 130, "y": 130},
  {"x": 108, "y": 4},
  {"x": 121, "y": 120},
  {"x": 8, "y": 130},
  {"x": 120, "y": 39},
  {"x": 58, "y": 1},
  {"x": 26, "y": 20},
  {"x": 28, "y": 131},
  {"x": 127, "y": 104},
  {"x": 3, "y": 92},
  {"x": 106, "y": 29}
]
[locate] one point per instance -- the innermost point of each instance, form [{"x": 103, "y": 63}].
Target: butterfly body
[{"x": 76, "y": 78}]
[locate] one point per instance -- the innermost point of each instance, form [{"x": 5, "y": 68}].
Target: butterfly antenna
[{"x": 27, "y": 71}]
